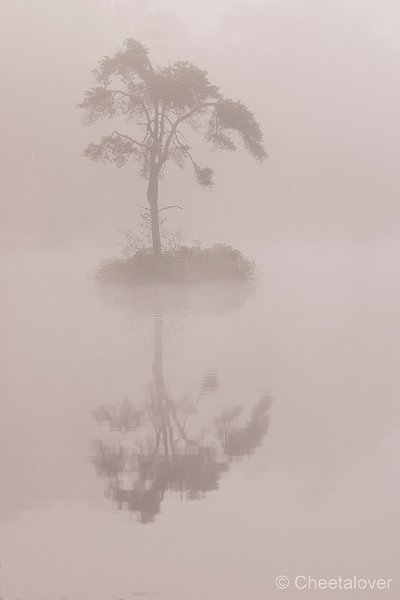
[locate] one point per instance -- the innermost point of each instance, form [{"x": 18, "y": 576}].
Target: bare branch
[
  {"x": 127, "y": 137},
  {"x": 172, "y": 206}
]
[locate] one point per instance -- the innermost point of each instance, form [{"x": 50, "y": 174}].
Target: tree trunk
[{"x": 152, "y": 197}]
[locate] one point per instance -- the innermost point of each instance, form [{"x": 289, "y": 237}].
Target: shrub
[{"x": 178, "y": 265}]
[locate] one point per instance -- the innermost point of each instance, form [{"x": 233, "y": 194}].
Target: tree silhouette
[
  {"x": 160, "y": 449},
  {"x": 155, "y": 106}
]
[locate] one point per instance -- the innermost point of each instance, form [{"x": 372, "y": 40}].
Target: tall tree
[{"x": 152, "y": 108}]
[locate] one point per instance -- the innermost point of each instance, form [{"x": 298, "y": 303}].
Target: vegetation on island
[{"x": 178, "y": 263}]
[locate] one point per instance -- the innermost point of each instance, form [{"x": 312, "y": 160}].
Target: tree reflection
[{"x": 163, "y": 446}]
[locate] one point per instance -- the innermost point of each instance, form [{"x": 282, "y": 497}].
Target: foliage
[
  {"x": 178, "y": 265},
  {"x": 158, "y": 103},
  {"x": 134, "y": 242}
]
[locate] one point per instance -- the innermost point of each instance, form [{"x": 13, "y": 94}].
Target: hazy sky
[{"x": 322, "y": 77}]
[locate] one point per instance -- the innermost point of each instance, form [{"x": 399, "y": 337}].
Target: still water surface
[{"x": 197, "y": 442}]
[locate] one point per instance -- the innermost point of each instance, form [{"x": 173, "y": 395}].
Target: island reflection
[{"x": 160, "y": 444}]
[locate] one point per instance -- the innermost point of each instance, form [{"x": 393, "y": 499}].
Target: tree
[{"x": 158, "y": 104}]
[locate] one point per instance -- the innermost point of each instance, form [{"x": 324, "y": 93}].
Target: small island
[{"x": 181, "y": 265}]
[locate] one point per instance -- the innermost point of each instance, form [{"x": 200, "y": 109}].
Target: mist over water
[
  {"x": 200, "y": 440},
  {"x": 285, "y": 428}
]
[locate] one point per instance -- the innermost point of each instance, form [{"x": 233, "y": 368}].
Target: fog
[
  {"x": 321, "y": 77},
  {"x": 198, "y": 441}
]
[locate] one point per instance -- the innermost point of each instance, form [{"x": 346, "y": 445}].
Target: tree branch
[
  {"x": 180, "y": 120},
  {"x": 172, "y": 206},
  {"x": 164, "y": 207},
  {"x": 142, "y": 104},
  {"x": 162, "y": 129},
  {"x": 127, "y": 137},
  {"x": 185, "y": 149}
]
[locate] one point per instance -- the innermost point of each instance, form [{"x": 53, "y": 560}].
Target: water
[{"x": 197, "y": 442}]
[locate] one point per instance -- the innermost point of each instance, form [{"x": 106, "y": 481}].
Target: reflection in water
[
  {"x": 215, "y": 298},
  {"x": 331, "y": 458},
  {"x": 164, "y": 445}
]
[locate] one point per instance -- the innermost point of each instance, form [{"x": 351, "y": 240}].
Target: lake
[{"x": 197, "y": 442}]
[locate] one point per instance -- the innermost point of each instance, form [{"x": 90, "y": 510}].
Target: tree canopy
[{"x": 158, "y": 102}]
